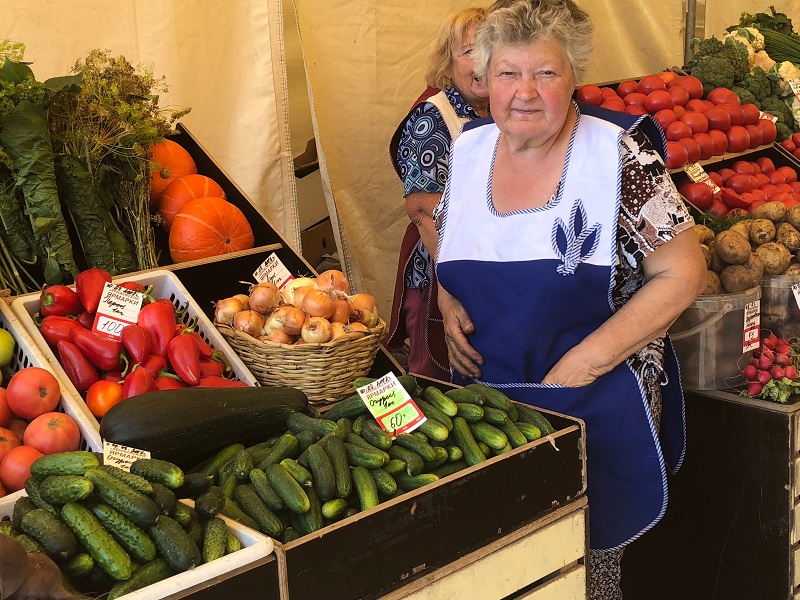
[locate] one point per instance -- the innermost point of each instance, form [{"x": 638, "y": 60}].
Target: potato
[
  {"x": 762, "y": 231},
  {"x": 706, "y": 255},
  {"x": 732, "y": 247},
  {"x": 742, "y": 227},
  {"x": 774, "y": 211},
  {"x": 755, "y": 266},
  {"x": 704, "y": 234},
  {"x": 713, "y": 284},
  {"x": 793, "y": 270},
  {"x": 776, "y": 257},
  {"x": 793, "y": 217},
  {"x": 717, "y": 264},
  {"x": 788, "y": 236},
  {"x": 736, "y": 278}
]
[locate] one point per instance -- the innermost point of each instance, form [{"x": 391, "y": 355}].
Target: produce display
[{"x": 772, "y": 373}]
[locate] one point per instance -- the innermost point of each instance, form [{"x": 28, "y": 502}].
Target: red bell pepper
[
  {"x": 138, "y": 381},
  {"x": 158, "y": 320},
  {"x": 734, "y": 200},
  {"x": 89, "y": 284},
  {"x": 115, "y": 376},
  {"x": 206, "y": 351},
  {"x": 154, "y": 364},
  {"x": 212, "y": 381},
  {"x": 86, "y": 319},
  {"x": 54, "y": 329},
  {"x": 165, "y": 382},
  {"x": 59, "y": 300},
  {"x": 211, "y": 367},
  {"x": 184, "y": 358},
  {"x": 104, "y": 353},
  {"x": 80, "y": 371},
  {"x": 136, "y": 342},
  {"x": 132, "y": 285}
]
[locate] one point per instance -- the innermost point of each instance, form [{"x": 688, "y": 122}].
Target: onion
[
  {"x": 300, "y": 294},
  {"x": 317, "y": 303},
  {"x": 244, "y": 299},
  {"x": 287, "y": 291},
  {"x": 316, "y": 330},
  {"x": 337, "y": 330},
  {"x": 225, "y": 310},
  {"x": 364, "y": 309},
  {"x": 249, "y": 321},
  {"x": 286, "y": 318},
  {"x": 264, "y": 297},
  {"x": 277, "y": 335},
  {"x": 333, "y": 279},
  {"x": 356, "y": 329},
  {"x": 341, "y": 311}
]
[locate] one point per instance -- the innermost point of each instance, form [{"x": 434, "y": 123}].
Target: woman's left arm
[{"x": 675, "y": 274}]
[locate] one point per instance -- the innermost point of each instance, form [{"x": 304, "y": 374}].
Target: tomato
[
  {"x": 667, "y": 76},
  {"x": 739, "y": 183},
  {"x": 756, "y": 135},
  {"x": 716, "y": 178},
  {"x": 692, "y": 148},
  {"x": 696, "y": 121},
  {"x": 608, "y": 93},
  {"x": 738, "y": 138},
  {"x": 6, "y": 413},
  {"x": 785, "y": 187},
  {"x": 651, "y": 83},
  {"x": 723, "y": 95},
  {"x": 692, "y": 85},
  {"x": 32, "y": 391},
  {"x": 53, "y": 432},
  {"x": 706, "y": 145},
  {"x": 627, "y": 87},
  {"x": 658, "y": 100},
  {"x": 769, "y": 190},
  {"x": 17, "y": 426},
  {"x": 742, "y": 166},
  {"x": 788, "y": 145},
  {"x": 789, "y": 173},
  {"x": 635, "y": 98},
  {"x": 726, "y": 174},
  {"x": 736, "y": 113},
  {"x": 635, "y": 109},
  {"x": 718, "y": 208},
  {"x": 751, "y": 114},
  {"x": 765, "y": 164},
  {"x": 796, "y": 138},
  {"x": 16, "y": 467},
  {"x": 677, "y": 156},
  {"x": 791, "y": 203},
  {"x": 781, "y": 197},
  {"x": 720, "y": 141},
  {"x": 678, "y": 110},
  {"x": 777, "y": 177},
  {"x": 769, "y": 130},
  {"x": 102, "y": 395},
  {"x": 718, "y": 118},
  {"x": 590, "y": 94},
  {"x": 665, "y": 117},
  {"x": 678, "y": 130},
  {"x": 761, "y": 179},
  {"x": 697, "y": 105},
  {"x": 680, "y": 96},
  {"x": 759, "y": 194},
  {"x": 796, "y": 153},
  {"x": 8, "y": 441},
  {"x": 698, "y": 194},
  {"x": 614, "y": 103},
  {"x": 796, "y": 186}
]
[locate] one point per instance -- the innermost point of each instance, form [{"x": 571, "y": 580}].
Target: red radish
[
  {"x": 790, "y": 372},
  {"x": 783, "y": 348},
  {"x": 763, "y": 377},
  {"x": 783, "y": 360},
  {"x": 777, "y": 372},
  {"x": 754, "y": 388},
  {"x": 764, "y": 363},
  {"x": 750, "y": 372},
  {"x": 768, "y": 353}
]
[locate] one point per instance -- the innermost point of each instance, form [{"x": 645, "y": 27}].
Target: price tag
[
  {"x": 698, "y": 174},
  {"x": 795, "y": 85},
  {"x": 118, "y": 308},
  {"x": 121, "y": 456},
  {"x": 390, "y": 404},
  {"x": 274, "y": 271},
  {"x": 767, "y": 116},
  {"x": 752, "y": 326}
]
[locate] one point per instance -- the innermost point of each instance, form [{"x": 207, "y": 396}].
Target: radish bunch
[{"x": 773, "y": 360}]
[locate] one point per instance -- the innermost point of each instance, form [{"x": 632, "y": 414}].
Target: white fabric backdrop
[{"x": 222, "y": 58}]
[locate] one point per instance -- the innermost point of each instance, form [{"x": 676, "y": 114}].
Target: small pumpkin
[
  {"x": 171, "y": 160},
  {"x": 207, "y": 227},
  {"x": 183, "y": 189}
]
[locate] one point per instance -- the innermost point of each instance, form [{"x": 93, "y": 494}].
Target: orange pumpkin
[
  {"x": 171, "y": 161},
  {"x": 208, "y": 227},
  {"x": 183, "y": 189}
]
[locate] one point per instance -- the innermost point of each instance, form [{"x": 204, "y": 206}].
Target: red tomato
[
  {"x": 781, "y": 197},
  {"x": 726, "y": 174},
  {"x": 751, "y": 114},
  {"x": 785, "y": 187},
  {"x": 761, "y": 179},
  {"x": 5, "y": 412},
  {"x": 769, "y": 130},
  {"x": 769, "y": 190},
  {"x": 765, "y": 164},
  {"x": 102, "y": 395},
  {"x": 634, "y": 98},
  {"x": 17, "y": 426},
  {"x": 720, "y": 141},
  {"x": 53, "y": 432},
  {"x": 738, "y": 138},
  {"x": 736, "y": 113},
  {"x": 608, "y": 93},
  {"x": 796, "y": 186},
  {"x": 680, "y": 95},
  {"x": 635, "y": 109},
  {"x": 718, "y": 118},
  {"x": 756, "y": 135},
  {"x": 788, "y": 145},
  {"x": 692, "y": 84},
  {"x": 718, "y": 208},
  {"x": 791, "y": 203},
  {"x": 716, "y": 178},
  {"x": 678, "y": 130},
  {"x": 16, "y": 467},
  {"x": 697, "y": 105},
  {"x": 665, "y": 117},
  {"x": 742, "y": 166},
  {"x": 739, "y": 183},
  {"x": 627, "y": 87},
  {"x": 32, "y": 391},
  {"x": 777, "y": 177},
  {"x": 677, "y": 156},
  {"x": 698, "y": 194},
  {"x": 8, "y": 441},
  {"x": 590, "y": 94},
  {"x": 789, "y": 173},
  {"x": 678, "y": 110},
  {"x": 759, "y": 194},
  {"x": 651, "y": 83},
  {"x": 667, "y": 76},
  {"x": 696, "y": 121},
  {"x": 756, "y": 203},
  {"x": 614, "y": 103},
  {"x": 796, "y": 138},
  {"x": 658, "y": 100},
  {"x": 796, "y": 153},
  {"x": 748, "y": 196},
  {"x": 692, "y": 148},
  {"x": 706, "y": 145},
  {"x": 723, "y": 95}
]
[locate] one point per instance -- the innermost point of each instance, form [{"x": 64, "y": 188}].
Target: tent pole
[{"x": 691, "y": 23}]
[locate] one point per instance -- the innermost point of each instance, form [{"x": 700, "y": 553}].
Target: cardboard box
[{"x": 318, "y": 241}]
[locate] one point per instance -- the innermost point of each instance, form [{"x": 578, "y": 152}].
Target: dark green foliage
[{"x": 757, "y": 83}]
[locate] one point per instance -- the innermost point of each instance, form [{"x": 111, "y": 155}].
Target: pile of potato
[{"x": 738, "y": 257}]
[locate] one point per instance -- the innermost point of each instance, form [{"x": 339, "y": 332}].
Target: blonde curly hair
[{"x": 451, "y": 35}]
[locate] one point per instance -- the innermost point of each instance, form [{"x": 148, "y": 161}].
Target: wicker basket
[{"x": 322, "y": 371}]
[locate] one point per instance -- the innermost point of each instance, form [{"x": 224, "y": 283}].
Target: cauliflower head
[{"x": 762, "y": 60}]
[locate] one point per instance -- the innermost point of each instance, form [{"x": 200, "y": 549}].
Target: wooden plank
[
  {"x": 796, "y": 555},
  {"x": 796, "y": 482},
  {"x": 570, "y": 585},
  {"x": 795, "y": 524}
]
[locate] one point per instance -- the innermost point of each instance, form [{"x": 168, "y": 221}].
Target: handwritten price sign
[
  {"x": 389, "y": 402},
  {"x": 118, "y": 307}
]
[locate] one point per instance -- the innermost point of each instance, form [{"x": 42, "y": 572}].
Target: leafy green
[
  {"x": 17, "y": 230},
  {"x": 776, "y": 21},
  {"x": 780, "y": 390}
]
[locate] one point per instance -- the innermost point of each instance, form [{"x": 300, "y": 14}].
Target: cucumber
[
  {"x": 341, "y": 467},
  {"x": 297, "y": 422},
  {"x": 436, "y": 397},
  {"x": 210, "y": 503},
  {"x": 194, "y": 484},
  {"x": 359, "y": 423},
  {"x": 158, "y": 471},
  {"x": 136, "y": 506},
  {"x": 489, "y": 435},
  {"x": 357, "y": 440},
  {"x": 413, "y": 461},
  {"x": 64, "y": 463},
  {"x": 413, "y": 482},
  {"x": 485, "y": 449},
  {"x": 365, "y": 487},
  {"x": 434, "y": 430},
  {"x": 261, "y": 450},
  {"x": 431, "y": 412},
  {"x": 514, "y": 435},
  {"x": 242, "y": 465},
  {"x": 227, "y": 480},
  {"x": 450, "y": 468},
  {"x": 32, "y": 489},
  {"x": 300, "y": 473},
  {"x": 464, "y": 395},
  {"x": 30, "y": 544},
  {"x": 441, "y": 458},
  {"x": 495, "y": 416},
  {"x": 252, "y": 506},
  {"x": 153, "y": 572},
  {"x": 98, "y": 542},
  {"x": 232, "y": 543},
  {"x": 133, "y": 539},
  {"x": 494, "y": 398},
  {"x": 215, "y": 538},
  {"x": 293, "y": 496},
  {"x": 529, "y": 430},
  {"x": 165, "y": 498},
  {"x": 322, "y": 469},
  {"x": 269, "y": 496},
  {"x": 384, "y": 482},
  {"x": 394, "y": 466},
  {"x": 183, "y": 514},
  {"x": 22, "y": 507},
  {"x": 364, "y": 457},
  {"x": 454, "y": 453},
  {"x": 375, "y": 435},
  {"x": 311, "y": 520},
  {"x": 291, "y": 534},
  {"x": 503, "y": 450},
  {"x": 466, "y": 441},
  {"x": 285, "y": 447},
  {"x": 232, "y": 511},
  {"x": 7, "y": 528},
  {"x": 305, "y": 439},
  {"x": 528, "y": 414},
  {"x": 77, "y": 567},
  {"x": 214, "y": 464},
  {"x": 472, "y": 413},
  {"x": 195, "y": 531},
  {"x": 46, "y": 528},
  {"x": 137, "y": 482},
  {"x": 413, "y": 443},
  {"x": 349, "y": 408},
  {"x": 345, "y": 426},
  {"x": 334, "y": 509},
  {"x": 175, "y": 545}
]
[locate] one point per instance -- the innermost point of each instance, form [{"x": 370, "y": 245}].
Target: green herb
[
  {"x": 780, "y": 390},
  {"x": 720, "y": 224}
]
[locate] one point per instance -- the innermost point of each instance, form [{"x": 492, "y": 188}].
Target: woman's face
[
  {"x": 463, "y": 75},
  {"x": 530, "y": 87}
]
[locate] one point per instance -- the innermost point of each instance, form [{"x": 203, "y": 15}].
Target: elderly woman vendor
[{"x": 564, "y": 255}]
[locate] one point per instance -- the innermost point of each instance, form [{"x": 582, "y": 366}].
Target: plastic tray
[
  {"x": 255, "y": 546},
  {"x": 165, "y": 285}
]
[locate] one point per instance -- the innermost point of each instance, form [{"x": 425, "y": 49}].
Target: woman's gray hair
[
  {"x": 520, "y": 22},
  {"x": 451, "y": 35}
]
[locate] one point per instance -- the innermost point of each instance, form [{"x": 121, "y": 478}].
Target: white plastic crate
[
  {"x": 255, "y": 547},
  {"x": 165, "y": 285}
]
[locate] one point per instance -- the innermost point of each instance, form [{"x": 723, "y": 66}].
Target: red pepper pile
[{"x": 157, "y": 353}]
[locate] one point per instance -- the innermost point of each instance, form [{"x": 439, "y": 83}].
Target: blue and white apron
[{"x": 535, "y": 283}]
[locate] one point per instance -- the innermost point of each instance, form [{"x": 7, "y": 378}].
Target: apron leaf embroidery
[{"x": 575, "y": 243}]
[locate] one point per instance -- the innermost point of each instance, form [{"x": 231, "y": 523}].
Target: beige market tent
[{"x": 364, "y": 62}]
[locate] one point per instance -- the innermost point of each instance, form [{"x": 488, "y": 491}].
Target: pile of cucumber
[
  {"x": 331, "y": 466},
  {"x": 110, "y": 531}
]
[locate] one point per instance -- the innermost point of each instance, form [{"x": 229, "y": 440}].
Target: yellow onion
[
  {"x": 264, "y": 297},
  {"x": 356, "y": 329},
  {"x": 337, "y": 330},
  {"x": 245, "y": 300},
  {"x": 316, "y": 330},
  {"x": 300, "y": 294},
  {"x": 286, "y": 318},
  {"x": 277, "y": 335},
  {"x": 287, "y": 291},
  {"x": 225, "y": 310},
  {"x": 333, "y": 279},
  {"x": 364, "y": 310},
  {"x": 341, "y": 311},
  {"x": 249, "y": 321},
  {"x": 317, "y": 303}
]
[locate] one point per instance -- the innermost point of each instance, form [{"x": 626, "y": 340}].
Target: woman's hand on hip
[
  {"x": 457, "y": 326},
  {"x": 573, "y": 370}
]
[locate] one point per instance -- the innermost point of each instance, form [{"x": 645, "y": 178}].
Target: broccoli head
[
  {"x": 715, "y": 71},
  {"x": 706, "y": 47},
  {"x": 757, "y": 83},
  {"x": 784, "y": 133},
  {"x": 745, "y": 97},
  {"x": 777, "y": 107},
  {"x": 736, "y": 54}
]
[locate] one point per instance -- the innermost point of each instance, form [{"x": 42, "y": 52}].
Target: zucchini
[
  {"x": 311, "y": 520},
  {"x": 293, "y": 496},
  {"x": 165, "y": 498},
  {"x": 232, "y": 511},
  {"x": 464, "y": 395},
  {"x": 132, "y": 538},
  {"x": 514, "y": 435},
  {"x": 364, "y": 457},
  {"x": 385, "y": 483},
  {"x": 98, "y": 542},
  {"x": 153, "y": 572},
  {"x": 434, "y": 430},
  {"x": 413, "y": 443},
  {"x": 431, "y": 412},
  {"x": 64, "y": 463},
  {"x": 529, "y": 430},
  {"x": 494, "y": 398},
  {"x": 373, "y": 434},
  {"x": 252, "y": 506},
  {"x": 210, "y": 503},
  {"x": 436, "y": 397},
  {"x": 137, "y": 482},
  {"x": 299, "y": 472},
  {"x": 322, "y": 469},
  {"x": 269, "y": 496},
  {"x": 194, "y": 484},
  {"x": 136, "y": 506},
  {"x": 297, "y": 422},
  {"x": 466, "y": 441},
  {"x": 413, "y": 461},
  {"x": 349, "y": 408},
  {"x": 472, "y": 413},
  {"x": 285, "y": 447},
  {"x": 489, "y": 435},
  {"x": 365, "y": 487},
  {"x": 334, "y": 509},
  {"x": 215, "y": 540},
  {"x": 495, "y": 416},
  {"x": 46, "y": 528},
  {"x": 182, "y": 426},
  {"x": 158, "y": 471},
  {"x": 528, "y": 414},
  {"x": 60, "y": 489},
  {"x": 413, "y": 482},
  {"x": 212, "y": 465},
  {"x": 174, "y": 544},
  {"x": 341, "y": 467},
  {"x": 77, "y": 567}
]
